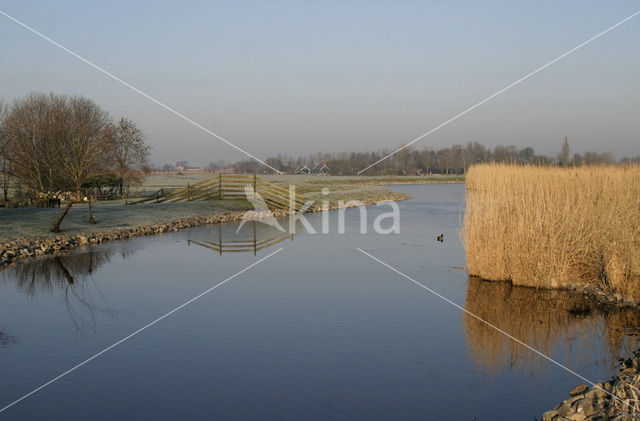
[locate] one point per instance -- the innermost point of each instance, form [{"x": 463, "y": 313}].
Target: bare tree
[
  {"x": 128, "y": 152},
  {"x": 82, "y": 146},
  {"x": 32, "y": 127},
  {"x": 56, "y": 143}
]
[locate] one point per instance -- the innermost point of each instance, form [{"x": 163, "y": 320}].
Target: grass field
[
  {"x": 308, "y": 182},
  {"x": 549, "y": 226},
  {"x": 36, "y": 222}
]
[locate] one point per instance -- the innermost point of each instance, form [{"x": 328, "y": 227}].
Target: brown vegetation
[
  {"x": 554, "y": 322},
  {"x": 550, "y": 227},
  {"x": 57, "y": 146},
  {"x": 54, "y": 143}
]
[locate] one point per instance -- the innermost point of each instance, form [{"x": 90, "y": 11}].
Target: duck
[{"x": 440, "y": 238}]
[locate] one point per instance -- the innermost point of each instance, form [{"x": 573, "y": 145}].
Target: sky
[{"x": 302, "y": 77}]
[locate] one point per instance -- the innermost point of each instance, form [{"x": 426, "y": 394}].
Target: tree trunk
[
  {"x": 92, "y": 220},
  {"x": 63, "y": 270},
  {"x": 56, "y": 226}
]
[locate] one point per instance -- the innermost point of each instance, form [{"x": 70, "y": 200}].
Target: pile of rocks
[
  {"x": 600, "y": 295},
  {"x": 19, "y": 249},
  {"x": 618, "y": 399}
]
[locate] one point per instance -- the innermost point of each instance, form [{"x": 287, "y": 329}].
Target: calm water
[{"x": 318, "y": 331}]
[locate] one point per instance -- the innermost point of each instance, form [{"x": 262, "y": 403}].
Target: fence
[
  {"x": 229, "y": 186},
  {"x": 234, "y": 242}
]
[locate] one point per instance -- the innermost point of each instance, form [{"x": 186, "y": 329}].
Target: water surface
[{"x": 318, "y": 331}]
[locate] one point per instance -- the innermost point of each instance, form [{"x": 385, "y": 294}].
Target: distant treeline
[{"x": 451, "y": 160}]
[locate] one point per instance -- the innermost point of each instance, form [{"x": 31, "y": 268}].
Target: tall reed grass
[{"x": 549, "y": 226}]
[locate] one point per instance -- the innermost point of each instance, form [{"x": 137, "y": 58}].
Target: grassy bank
[
  {"x": 548, "y": 227},
  {"x": 304, "y": 182},
  {"x": 27, "y": 223},
  {"x": 27, "y": 235}
]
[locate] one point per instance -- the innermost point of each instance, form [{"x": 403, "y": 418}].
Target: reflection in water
[
  {"x": 6, "y": 339},
  {"x": 251, "y": 239},
  {"x": 70, "y": 275},
  {"x": 558, "y": 324}
]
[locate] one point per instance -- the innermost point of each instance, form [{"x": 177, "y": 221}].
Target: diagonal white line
[
  {"x": 511, "y": 85},
  {"x": 137, "y": 331},
  {"x": 133, "y": 88},
  {"x": 493, "y": 326}
]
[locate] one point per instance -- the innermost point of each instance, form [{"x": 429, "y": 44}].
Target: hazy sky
[{"x": 301, "y": 77}]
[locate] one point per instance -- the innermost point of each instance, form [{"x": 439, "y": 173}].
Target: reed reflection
[{"x": 556, "y": 323}]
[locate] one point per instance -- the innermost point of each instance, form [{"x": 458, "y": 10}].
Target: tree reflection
[
  {"x": 6, "y": 339},
  {"x": 72, "y": 276},
  {"x": 556, "y": 323}
]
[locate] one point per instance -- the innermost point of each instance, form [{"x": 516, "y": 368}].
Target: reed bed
[{"x": 549, "y": 227}]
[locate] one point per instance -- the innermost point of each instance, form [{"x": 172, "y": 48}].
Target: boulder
[{"x": 578, "y": 389}]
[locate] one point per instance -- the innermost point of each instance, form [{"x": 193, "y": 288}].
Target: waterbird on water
[{"x": 440, "y": 238}]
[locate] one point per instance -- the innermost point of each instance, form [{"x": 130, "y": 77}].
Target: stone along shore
[
  {"x": 598, "y": 402},
  {"x": 20, "y": 249}
]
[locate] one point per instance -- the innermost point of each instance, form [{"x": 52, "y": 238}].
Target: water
[{"x": 318, "y": 331}]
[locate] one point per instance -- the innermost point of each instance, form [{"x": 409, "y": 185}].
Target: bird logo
[{"x": 260, "y": 212}]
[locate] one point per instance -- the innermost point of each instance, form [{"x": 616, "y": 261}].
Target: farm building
[
  {"x": 303, "y": 170},
  {"x": 320, "y": 168}
]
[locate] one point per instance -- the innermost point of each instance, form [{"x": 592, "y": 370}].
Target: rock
[
  {"x": 595, "y": 394},
  {"x": 578, "y": 389},
  {"x": 565, "y": 410},
  {"x": 576, "y": 417},
  {"x": 584, "y": 406},
  {"x": 549, "y": 415}
]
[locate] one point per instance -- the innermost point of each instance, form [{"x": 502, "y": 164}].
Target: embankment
[
  {"x": 616, "y": 399},
  {"x": 27, "y": 247}
]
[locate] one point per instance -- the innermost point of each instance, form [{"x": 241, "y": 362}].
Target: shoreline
[
  {"x": 590, "y": 294},
  {"x": 598, "y": 403},
  {"x": 23, "y": 250}
]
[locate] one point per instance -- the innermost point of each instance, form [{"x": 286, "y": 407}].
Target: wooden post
[
  {"x": 220, "y": 194},
  {"x": 255, "y": 244},
  {"x": 188, "y": 192},
  {"x": 255, "y": 183}
]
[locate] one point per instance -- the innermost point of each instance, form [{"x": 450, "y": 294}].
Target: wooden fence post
[{"x": 220, "y": 194}]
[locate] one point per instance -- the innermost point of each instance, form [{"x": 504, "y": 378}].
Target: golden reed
[{"x": 548, "y": 226}]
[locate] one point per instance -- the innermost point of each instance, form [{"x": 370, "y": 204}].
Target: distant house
[
  {"x": 320, "y": 169},
  {"x": 179, "y": 168},
  {"x": 303, "y": 170}
]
